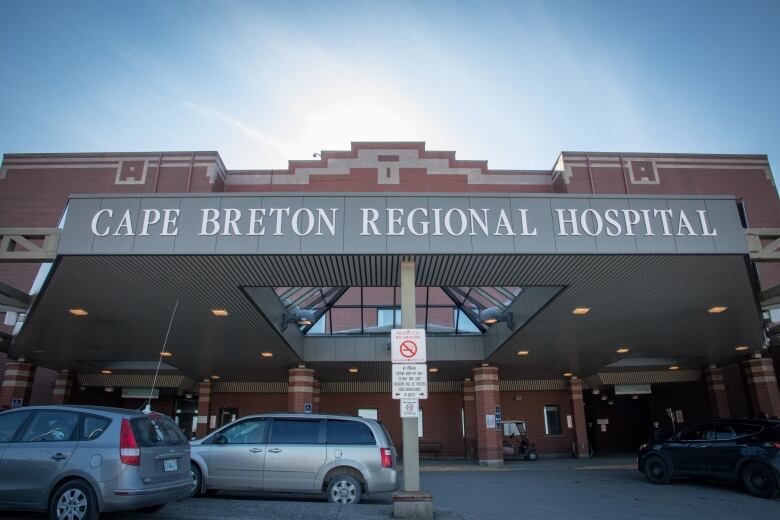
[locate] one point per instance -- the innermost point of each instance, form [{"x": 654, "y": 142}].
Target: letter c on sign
[{"x": 110, "y": 214}]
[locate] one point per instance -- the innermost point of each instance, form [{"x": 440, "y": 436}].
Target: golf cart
[{"x": 515, "y": 442}]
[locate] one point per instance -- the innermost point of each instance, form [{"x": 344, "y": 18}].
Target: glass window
[
  {"x": 251, "y": 431},
  {"x": 463, "y": 322},
  {"x": 349, "y": 432},
  {"x": 157, "y": 430},
  {"x": 699, "y": 432},
  {"x": 368, "y": 413},
  {"x": 93, "y": 427},
  {"x": 385, "y": 317},
  {"x": 552, "y": 420},
  {"x": 291, "y": 431},
  {"x": 319, "y": 326},
  {"x": 51, "y": 426},
  {"x": 724, "y": 432},
  {"x": 744, "y": 430},
  {"x": 9, "y": 423}
]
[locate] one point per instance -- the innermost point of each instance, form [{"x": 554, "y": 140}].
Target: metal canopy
[{"x": 654, "y": 304}]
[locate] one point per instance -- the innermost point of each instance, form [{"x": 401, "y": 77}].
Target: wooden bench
[{"x": 430, "y": 447}]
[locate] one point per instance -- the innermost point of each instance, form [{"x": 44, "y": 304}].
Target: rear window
[
  {"x": 349, "y": 432},
  {"x": 9, "y": 423},
  {"x": 387, "y": 433},
  {"x": 743, "y": 430},
  {"x": 157, "y": 430},
  {"x": 286, "y": 431}
]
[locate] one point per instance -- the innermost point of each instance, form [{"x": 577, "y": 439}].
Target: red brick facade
[
  {"x": 16, "y": 387},
  {"x": 762, "y": 386},
  {"x": 300, "y": 389},
  {"x": 486, "y": 399},
  {"x": 716, "y": 389}
]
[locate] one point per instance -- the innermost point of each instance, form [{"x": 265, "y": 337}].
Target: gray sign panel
[{"x": 400, "y": 224}]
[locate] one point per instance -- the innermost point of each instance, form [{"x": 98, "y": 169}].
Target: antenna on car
[{"x": 148, "y": 405}]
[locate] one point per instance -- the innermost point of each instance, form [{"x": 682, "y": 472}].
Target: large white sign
[
  {"x": 408, "y": 346},
  {"x": 410, "y": 381}
]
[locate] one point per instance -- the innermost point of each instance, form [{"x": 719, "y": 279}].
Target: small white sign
[
  {"x": 569, "y": 422},
  {"x": 408, "y": 346},
  {"x": 213, "y": 421},
  {"x": 602, "y": 421},
  {"x": 490, "y": 422},
  {"x": 679, "y": 416},
  {"x": 603, "y": 427},
  {"x": 410, "y": 381},
  {"x": 409, "y": 408}
]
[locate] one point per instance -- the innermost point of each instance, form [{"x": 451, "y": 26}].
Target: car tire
[
  {"x": 344, "y": 489},
  {"x": 152, "y": 509},
  {"x": 74, "y": 500},
  {"x": 657, "y": 470},
  {"x": 759, "y": 480},
  {"x": 197, "y": 480},
  {"x": 531, "y": 455}
]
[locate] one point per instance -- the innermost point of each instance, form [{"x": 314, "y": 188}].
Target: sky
[{"x": 513, "y": 82}]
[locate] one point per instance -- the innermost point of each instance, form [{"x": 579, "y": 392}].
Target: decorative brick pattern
[
  {"x": 578, "y": 417},
  {"x": 63, "y": 385},
  {"x": 486, "y": 398},
  {"x": 762, "y": 386},
  {"x": 17, "y": 383},
  {"x": 300, "y": 389},
  {"x": 716, "y": 390},
  {"x": 315, "y": 400},
  {"x": 469, "y": 419},
  {"x": 204, "y": 408}
]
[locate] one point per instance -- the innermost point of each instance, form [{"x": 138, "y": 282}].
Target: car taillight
[
  {"x": 775, "y": 444},
  {"x": 387, "y": 457},
  {"x": 128, "y": 448}
]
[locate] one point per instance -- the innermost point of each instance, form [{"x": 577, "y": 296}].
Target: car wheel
[
  {"x": 152, "y": 509},
  {"x": 344, "y": 489},
  {"x": 759, "y": 480},
  {"x": 657, "y": 470},
  {"x": 531, "y": 455},
  {"x": 197, "y": 480},
  {"x": 73, "y": 500}
]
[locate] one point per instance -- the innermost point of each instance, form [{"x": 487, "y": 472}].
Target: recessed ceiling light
[
  {"x": 610, "y": 402},
  {"x": 716, "y": 310},
  {"x": 634, "y": 397},
  {"x": 674, "y": 367},
  {"x": 567, "y": 374},
  {"x": 523, "y": 352},
  {"x": 267, "y": 354},
  {"x": 741, "y": 348},
  {"x": 579, "y": 311},
  {"x": 219, "y": 312},
  {"x": 433, "y": 370},
  {"x": 105, "y": 371},
  {"x": 78, "y": 312},
  {"x": 353, "y": 370},
  {"x": 165, "y": 354},
  {"x": 215, "y": 376},
  {"x": 622, "y": 350}
]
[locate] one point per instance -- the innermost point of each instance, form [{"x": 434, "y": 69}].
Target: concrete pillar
[
  {"x": 762, "y": 386},
  {"x": 578, "y": 417},
  {"x": 469, "y": 420},
  {"x": 316, "y": 397},
  {"x": 716, "y": 390},
  {"x": 63, "y": 384},
  {"x": 204, "y": 408},
  {"x": 17, "y": 383},
  {"x": 300, "y": 389},
  {"x": 409, "y": 425},
  {"x": 486, "y": 398}
]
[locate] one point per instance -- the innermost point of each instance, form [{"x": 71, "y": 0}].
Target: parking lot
[{"x": 603, "y": 488}]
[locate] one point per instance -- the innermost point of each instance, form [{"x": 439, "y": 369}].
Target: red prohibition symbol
[{"x": 408, "y": 349}]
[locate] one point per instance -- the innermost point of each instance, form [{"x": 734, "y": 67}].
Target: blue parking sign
[
  {"x": 307, "y": 408},
  {"x": 498, "y": 417}
]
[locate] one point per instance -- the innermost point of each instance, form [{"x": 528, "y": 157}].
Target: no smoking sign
[{"x": 408, "y": 346}]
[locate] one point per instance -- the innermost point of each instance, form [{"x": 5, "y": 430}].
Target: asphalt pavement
[{"x": 547, "y": 489}]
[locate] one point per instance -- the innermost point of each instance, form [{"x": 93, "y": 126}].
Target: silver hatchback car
[
  {"x": 79, "y": 461},
  {"x": 343, "y": 456}
]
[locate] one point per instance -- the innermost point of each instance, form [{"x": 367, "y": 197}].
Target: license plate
[{"x": 170, "y": 465}]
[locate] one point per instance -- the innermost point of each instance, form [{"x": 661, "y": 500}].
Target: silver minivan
[
  {"x": 79, "y": 461},
  {"x": 343, "y": 456}
]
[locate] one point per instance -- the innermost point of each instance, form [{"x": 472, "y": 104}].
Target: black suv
[{"x": 744, "y": 450}]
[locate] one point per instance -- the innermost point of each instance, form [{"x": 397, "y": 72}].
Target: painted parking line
[{"x": 609, "y": 466}]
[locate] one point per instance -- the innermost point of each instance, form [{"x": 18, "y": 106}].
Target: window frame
[
  {"x": 74, "y": 435},
  {"x": 82, "y": 424},
  {"x": 547, "y": 430}
]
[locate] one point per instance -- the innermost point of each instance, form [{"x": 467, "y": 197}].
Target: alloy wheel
[
  {"x": 72, "y": 505},
  {"x": 343, "y": 492}
]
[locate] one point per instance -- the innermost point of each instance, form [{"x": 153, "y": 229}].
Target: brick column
[
  {"x": 716, "y": 390},
  {"x": 762, "y": 386},
  {"x": 578, "y": 416},
  {"x": 469, "y": 420},
  {"x": 17, "y": 383},
  {"x": 63, "y": 384},
  {"x": 315, "y": 400},
  {"x": 204, "y": 407},
  {"x": 300, "y": 389},
  {"x": 486, "y": 398}
]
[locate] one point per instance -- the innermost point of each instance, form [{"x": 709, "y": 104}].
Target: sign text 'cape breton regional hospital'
[{"x": 400, "y": 223}]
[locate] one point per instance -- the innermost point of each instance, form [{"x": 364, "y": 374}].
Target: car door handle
[
  {"x": 274, "y": 450},
  {"x": 256, "y": 450},
  {"x": 59, "y": 456}
]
